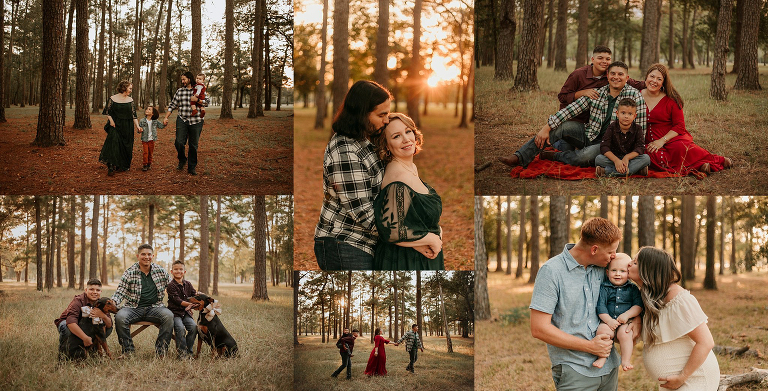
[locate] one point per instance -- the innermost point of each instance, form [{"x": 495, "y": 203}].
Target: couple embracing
[
  {"x": 377, "y": 213},
  {"x": 582, "y": 299}
]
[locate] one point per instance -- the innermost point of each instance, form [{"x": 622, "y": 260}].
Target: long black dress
[{"x": 117, "y": 150}]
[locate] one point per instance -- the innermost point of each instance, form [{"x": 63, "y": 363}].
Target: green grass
[
  {"x": 29, "y": 341},
  {"x": 508, "y": 357},
  {"x": 435, "y": 368},
  {"x": 735, "y": 128}
]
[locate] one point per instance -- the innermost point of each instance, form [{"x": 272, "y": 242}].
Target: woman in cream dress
[{"x": 678, "y": 343}]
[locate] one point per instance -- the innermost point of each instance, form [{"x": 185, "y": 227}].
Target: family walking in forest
[
  {"x": 620, "y": 126},
  {"x": 377, "y": 213},
  {"x": 377, "y": 361},
  {"x": 589, "y": 295},
  {"x": 117, "y": 151}
]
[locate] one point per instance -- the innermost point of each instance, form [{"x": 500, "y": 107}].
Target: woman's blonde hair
[
  {"x": 379, "y": 139},
  {"x": 657, "y": 272}
]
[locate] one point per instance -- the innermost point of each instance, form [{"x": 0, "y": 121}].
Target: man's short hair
[
  {"x": 618, "y": 64},
  {"x": 93, "y": 281},
  {"x": 601, "y": 49},
  {"x": 178, "y": 262},
  {"x": 355, "y": 331},
  {"x": 600, "y": 231},
  {"x": 628, "y": 102},
  {"x": 189, "y": 75},
  {"x": 146, "y": 245},
  {"x": 414, "y": 325}
]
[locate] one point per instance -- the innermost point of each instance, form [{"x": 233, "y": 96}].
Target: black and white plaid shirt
[
  {"x": 181, "y": 100},
  {"x": 352, "y": 175}
]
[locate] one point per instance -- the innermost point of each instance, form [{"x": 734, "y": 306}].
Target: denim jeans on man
[
  {"x": 186, "y": 132},
  {"x": 414, "y": 353},
  {"x": 64, "y": 334},
  {"x": 570, "y": 132},
  {"x": 635, "y": 164},
  {"x": 184, "y": 326},
  {"x": 160, "y": 315},
  {"x": 334, "y": 254},
  {"x": 346, "y": 361}
]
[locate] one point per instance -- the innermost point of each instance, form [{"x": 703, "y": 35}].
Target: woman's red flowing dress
[
  {"x": 679, "y": 154},
  {"x": 377, "y": 365}
]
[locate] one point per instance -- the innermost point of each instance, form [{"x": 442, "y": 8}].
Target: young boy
[
  {"x": 179, "y": 290},
  {"x": 622, "y": 151},
  {"x": 148, "y": 129},
  {"x": 619, "y": 302},
  {"x": 67, "y": 322},
  {"x": 347, "y": 345},
  {"x": 199, "y": 92}
]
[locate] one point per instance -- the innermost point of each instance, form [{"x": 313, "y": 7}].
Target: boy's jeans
[{"x": 635, "y": 165}]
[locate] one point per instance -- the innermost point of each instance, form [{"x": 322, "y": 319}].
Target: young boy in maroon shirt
[
  {"x": 184, "y": 324},
  {"x": 66, "y": 323}
]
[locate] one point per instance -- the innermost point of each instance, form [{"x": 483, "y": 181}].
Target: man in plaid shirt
[
  {"x": 602, "y": 112},
  {"x": 188, "y": 125},
  {"x": 143, "y": 289},
  {"x": 346, "y": 234}
]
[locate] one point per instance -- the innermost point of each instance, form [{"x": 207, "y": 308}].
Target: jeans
[
  {"x": 414, "y": 353},
  {"x": 570, "y": 132},
  {"x": 346, "y": 361},
  {"x": 567, "y": 379},
  {"x": 636, "y": 164},
  {"x": 180, "y": 326},
  {"x": 584, "y": 157},
  {"x": 64, "y": 334},
  {"x": 334, "y": 254},
  {"x": 186, "y": 132},
  {"x": 160, "y": 315}
]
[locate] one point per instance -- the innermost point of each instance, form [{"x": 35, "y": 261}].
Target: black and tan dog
[
  {"x": 210, "y": 329},
  {"x": 76, "y": 349}
]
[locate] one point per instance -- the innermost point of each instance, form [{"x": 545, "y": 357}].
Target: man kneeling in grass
[{"x": 67, "y": 323}]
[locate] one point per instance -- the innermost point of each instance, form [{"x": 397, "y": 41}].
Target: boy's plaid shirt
[
  {"x": 130, "y": 285},
  {"x": 181, "y": 101},
  {"x": 598, "y": 109},
  {"x": 352, "y": 175}
]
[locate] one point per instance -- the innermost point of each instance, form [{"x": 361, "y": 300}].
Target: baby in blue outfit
[{"x": 619, "y": 302}]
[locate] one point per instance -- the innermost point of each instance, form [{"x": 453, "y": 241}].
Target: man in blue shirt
[{"x": 563, "y": 310}]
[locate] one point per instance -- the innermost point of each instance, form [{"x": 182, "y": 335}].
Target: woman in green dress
[
  {"x": 407, "y": 210},
  {"x": 120, "y": 110}
]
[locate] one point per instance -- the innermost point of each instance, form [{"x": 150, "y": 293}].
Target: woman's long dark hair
[
  {"x": 352, "y": 118},
  {"x": 377, "y": 332}
]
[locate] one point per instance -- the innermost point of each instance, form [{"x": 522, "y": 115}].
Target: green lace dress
[
  {"x": 404, "y": 215},
  {"x": 117, "y": 150}
]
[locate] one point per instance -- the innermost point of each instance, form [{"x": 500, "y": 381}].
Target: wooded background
[{"x": 47, "y": 239}]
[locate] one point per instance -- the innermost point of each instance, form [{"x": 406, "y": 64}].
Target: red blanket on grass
[{"x": 567, "y": 172}]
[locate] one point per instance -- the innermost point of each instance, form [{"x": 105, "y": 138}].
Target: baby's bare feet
[
  {"x": 599, "y": 362},
  {"x": 626, "y": 366}
]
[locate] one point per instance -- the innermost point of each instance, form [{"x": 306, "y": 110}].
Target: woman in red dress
[
  {"x": 668, "y": 143},
  {"x": 377, "y": 362}
]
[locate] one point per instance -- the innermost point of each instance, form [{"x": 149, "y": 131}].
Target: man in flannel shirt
[
  {"x": 346, "y": 234},
  {"x": 188, "y": 125},
  {"x": 602, "y": 111},
  {"x": 143, "y": 289},
  {"x": 412, "y": 345}
]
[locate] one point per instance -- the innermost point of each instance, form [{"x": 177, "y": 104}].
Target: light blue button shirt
[{"x": 569, "y": 292}]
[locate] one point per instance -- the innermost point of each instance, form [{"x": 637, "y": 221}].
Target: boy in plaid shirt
[{"x": 602, "y": 112}]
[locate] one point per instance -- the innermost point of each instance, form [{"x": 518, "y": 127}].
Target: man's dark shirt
[
  {"x": 582, "y": 79},
  {"x": 73, "y": 313},
  {"x": 347, "y": 344},
  {"x": 621, "y": 143},
  {"x": 148, "y": 291}
]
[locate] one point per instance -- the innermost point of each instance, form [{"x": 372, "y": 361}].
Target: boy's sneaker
[
  {"x": 643, "y": 171},
  {"x": 599, "y": 171}
]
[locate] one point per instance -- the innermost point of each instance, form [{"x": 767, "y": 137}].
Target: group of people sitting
[{"x": 619, "y": 125}]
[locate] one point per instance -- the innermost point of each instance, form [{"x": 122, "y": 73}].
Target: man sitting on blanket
[{"x": 586, "y": 137}]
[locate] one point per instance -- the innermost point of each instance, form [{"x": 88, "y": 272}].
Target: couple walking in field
[{"x": 377, "y": 361}]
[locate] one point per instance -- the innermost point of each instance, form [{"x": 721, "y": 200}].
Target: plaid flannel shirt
[
  {"x": 410, "y": 340},
  {"x": 352, "y": 175},
  {"x": 598, "y": 110},
  {"x": 181, "y": 100},
  {"x": 130, "y": 285}
]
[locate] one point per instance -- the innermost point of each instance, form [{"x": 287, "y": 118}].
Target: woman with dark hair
[
  {"x": 677, "y": 342},
  {"x": 345, "y": 236},
  {"x": 377, "y": 362},
  {"x": 407, "y": 210},
  {"x": 120, "y": 110},
  {"x": 668, "y": 143}
]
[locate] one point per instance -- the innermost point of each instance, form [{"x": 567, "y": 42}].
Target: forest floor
[
  {"x": 235, "y": 156},
  {"x": 445, "y": 163},
  {"x": 508, "y": 354},
  {"x": 736, "y": 129},
  {"x": 29, "y": 343},
  {"x": 435, "y": 368}
]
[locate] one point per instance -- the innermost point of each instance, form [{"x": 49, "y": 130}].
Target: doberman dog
[
  {"x": 212, "y": 331},
  {"x": 76, "y": 349}
]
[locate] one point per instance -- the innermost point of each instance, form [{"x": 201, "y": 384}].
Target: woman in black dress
[{"x": 120, "y": 110}]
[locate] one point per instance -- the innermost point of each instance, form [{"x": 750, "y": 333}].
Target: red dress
[
  {"x": 679, "y": 154},
  {"x": 377, "y": 365}
]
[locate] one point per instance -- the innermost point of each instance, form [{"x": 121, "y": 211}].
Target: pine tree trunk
[
  {"x": 747, "y": 75},
  {"x": 445, "y": 318},
  {"x": 499, "y": 267},
  {"x": 104, "y": 243},
  {"x": 93, "y": 267},
  {"x": 260, "y": 259},
  {"x": 582, "y": 55},
  {"x": 717, "y": 85},
  {"x": 414, "y": 81},
  {"x": 508, "y": 271},
  {"x": 82, "y": 86},
  {"x": 229, "y": 45},
  {"x": 39, "y": 244},
  {"x": 561, "y": 37},
  {"x": 526, "y": 77},
  {"x": 50, "y": 124},
  {"x": 267, "y": 69},
  {"x": 195, "y": 64},
  {"x": 181, "y": 236},
  {"x": 534, "y": 246},
  {"x": 709, "y": 278},
  {"x": 722, "y": 235},
  {"x": 71, "y": 243},
  {"x": 550, "y": 26},
  {"x": 3, "y": 80},
  {"x": 81, "y": 284},
  {"x": 162, "y": 100},
  {"x": 152, "y": 61},
  {"x": 482, "y": 305},
  {"x": 67, "y": 51},
  {"x": 521, "y": 240},
  {"x": 98, "y": 90},
  {"x": 255, "y": 108},
  {"x": 340, "y": 52},
  {"x": 646, "y": 228},
  {"x": 216, "y": 241},
  {"x": 671, "y": 37},
  {"x": 558, "y": 213},
  {"x": 687, "y": 240},
  {"x": 690, "y": 37},
  {"x": 51, "y": 248},
  {"x": 322, "y": 105},
  {"x": 628, "y": 225},
  {"x": 505, "y": 43},
  {"x": 381, "y": 73},
  {"x": 603, "y": 207},
  {"x": 650, "y": 41},
  {"x": 205, "y": 272},
  {"x": 738, "y": 24}
]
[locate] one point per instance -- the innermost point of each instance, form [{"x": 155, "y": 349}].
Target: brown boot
[{"x": 512, "y": 161}]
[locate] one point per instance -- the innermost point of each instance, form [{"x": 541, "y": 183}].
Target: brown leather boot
[{"x": 512, "y": 161}]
